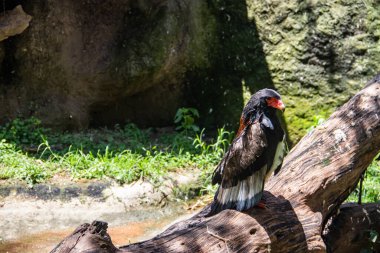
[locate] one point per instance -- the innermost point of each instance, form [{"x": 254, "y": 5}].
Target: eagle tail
[{"x": 246, "y": 194}]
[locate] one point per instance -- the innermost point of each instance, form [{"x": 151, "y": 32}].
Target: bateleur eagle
[{"x": 257, "y": 150}]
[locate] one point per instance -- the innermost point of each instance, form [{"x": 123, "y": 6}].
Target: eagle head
[
  {"x": 263, "y": 101},
  {"x": 267, "y": 98}
]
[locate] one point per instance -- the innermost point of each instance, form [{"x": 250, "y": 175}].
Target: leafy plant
[
  {"x": 317, "y": 120},
  {"x": 19, "y": 131},
  {"x": 15, "y": 164},
  {"x": 223, "y": 139},
  {"x": 185, "y": 119},
  {"x": 371, "y": 184},
  {"x": 211, "y": 153}
]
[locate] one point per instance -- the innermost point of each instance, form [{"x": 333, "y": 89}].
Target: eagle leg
[{"x": 261, "y": 204}]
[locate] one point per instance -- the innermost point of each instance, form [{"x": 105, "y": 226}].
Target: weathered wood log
[
  {"x": 354, "y": 228},
  {"x": 316, "y": 177},
  {"x": 87, "y": 238},
  {"x": 351, "y": 230}
]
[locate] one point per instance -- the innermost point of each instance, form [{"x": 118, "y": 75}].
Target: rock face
[
  {"x": 318, "y": 52},
  {"x": 91, "y": 63}
]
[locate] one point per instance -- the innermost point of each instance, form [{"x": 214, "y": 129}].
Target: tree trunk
[{"x": 316, "y": 177}]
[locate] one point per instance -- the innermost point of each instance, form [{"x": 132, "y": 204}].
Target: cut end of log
[{"x": 87, "y": 238}]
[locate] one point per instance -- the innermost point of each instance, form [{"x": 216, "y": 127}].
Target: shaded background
[{"x": 95, "y": 63}]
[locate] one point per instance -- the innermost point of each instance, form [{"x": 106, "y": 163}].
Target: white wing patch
[
  {"x": 278, "y": 157},
  {"x": 245, "y": 194}
]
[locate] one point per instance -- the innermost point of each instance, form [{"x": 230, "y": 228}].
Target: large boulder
[{"x": 92, "y": 63}]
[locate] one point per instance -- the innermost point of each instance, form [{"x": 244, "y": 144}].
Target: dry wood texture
[
  {"x": 316, "y": 177},
  {"x": 354, "y": 229},
  {"x": 87, "y": 238}
]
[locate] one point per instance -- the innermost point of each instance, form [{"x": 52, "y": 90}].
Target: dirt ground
[{"x": 36, "y": 219}]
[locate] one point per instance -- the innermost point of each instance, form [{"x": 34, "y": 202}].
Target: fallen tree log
[
  {"x": 316, "y": 177},
  {"x": 354, "y": 228},
  {"x": 351, "y": 230}
]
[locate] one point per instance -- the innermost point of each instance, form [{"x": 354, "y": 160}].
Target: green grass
[
  {"x": 371, "y": 185},
  {"x": 16, "y": 164},
  {"x": 34, "y": 154}
]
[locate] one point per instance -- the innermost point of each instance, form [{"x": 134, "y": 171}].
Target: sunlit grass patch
[
  {"x": 16, "y": 164},
  {"x": 371, "y": 185},
  {"x": 124, "y": 154}
]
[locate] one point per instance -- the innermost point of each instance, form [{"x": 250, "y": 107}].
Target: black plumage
[{"x": 256, "y": 151}]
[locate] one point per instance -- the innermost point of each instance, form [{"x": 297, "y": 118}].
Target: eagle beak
[
  {"x": 276, "y": 103},
  {"x": 280, "y": 105}
]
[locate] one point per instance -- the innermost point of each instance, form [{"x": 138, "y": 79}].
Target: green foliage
[
  {"x": 94, "y": 140},
  {"x": 371, "y": 185},
  {"x": 218, "y": 147},
  {"x": 185, "y": 119},
  {"x": 21, "y": 131},
  {"x": 34, "y": 154},
  {"x": 210, "y": 154},
  {"x": 16, "y": 164},
  {"x": 124, "y": 154},
  {"x": 317, "y": 120}
]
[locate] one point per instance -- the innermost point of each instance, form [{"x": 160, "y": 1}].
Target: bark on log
[
  {"x": 354, "y": 229},
  {"x": 316, "y": 177},
  {"x": 87, "y": 238}
]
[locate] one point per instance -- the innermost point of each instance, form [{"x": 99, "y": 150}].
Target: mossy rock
[{"x": 318, "y": 67}]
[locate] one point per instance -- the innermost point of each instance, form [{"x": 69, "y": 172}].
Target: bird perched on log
[{"x": 257, "y": 150}]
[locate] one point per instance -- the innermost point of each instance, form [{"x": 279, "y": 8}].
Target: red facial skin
[{"x": 275, "y": 103}]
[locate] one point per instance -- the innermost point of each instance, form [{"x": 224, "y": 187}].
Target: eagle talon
[{"x": 262, "y": 204}]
